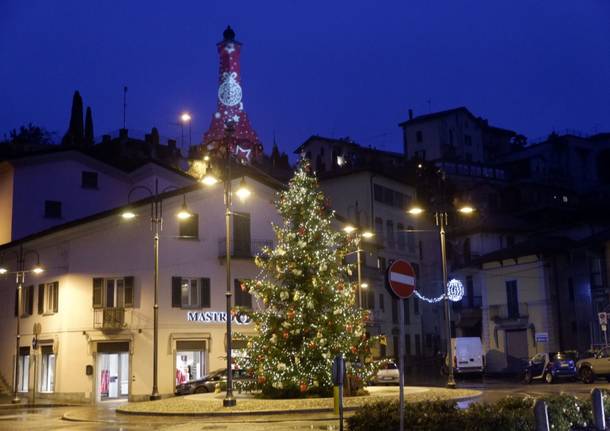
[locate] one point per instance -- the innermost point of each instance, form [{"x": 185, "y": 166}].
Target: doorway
[
  {"x": 112, "y": 371},
  {"x": 516, "y": 350}
]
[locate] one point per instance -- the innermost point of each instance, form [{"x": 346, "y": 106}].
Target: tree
[
  {"x": 75, "y": 133},
  {"x": 26, "y": 139},
  {"x": 89, "y": 127},
  {"x": 309, "y": 314}
]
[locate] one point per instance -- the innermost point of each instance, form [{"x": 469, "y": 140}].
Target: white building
[
  {"x": 91, "y": 311},
  {"x": 38, "y": 191}
]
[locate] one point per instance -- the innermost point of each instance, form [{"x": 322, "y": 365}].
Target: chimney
[{"x": 410, "y": 114}]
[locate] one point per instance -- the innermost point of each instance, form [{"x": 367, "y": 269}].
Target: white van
[{"x": 467, "y": 355}]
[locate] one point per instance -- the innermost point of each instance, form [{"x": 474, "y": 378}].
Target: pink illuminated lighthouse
[{"x": 242, "y": 140}]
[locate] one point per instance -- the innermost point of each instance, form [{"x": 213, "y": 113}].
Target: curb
[{"x": 261, "y": 412}]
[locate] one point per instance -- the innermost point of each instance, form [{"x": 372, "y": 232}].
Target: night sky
[{"x": 336, "y": 68}]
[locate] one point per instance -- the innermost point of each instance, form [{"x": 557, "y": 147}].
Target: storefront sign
[
  {"x": 216, "y": 317},
  {"x": 542, "y": 337}
]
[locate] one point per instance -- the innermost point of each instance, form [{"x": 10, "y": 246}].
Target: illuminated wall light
[
  {"x": 128, "y": 215},
  {"x": 3, "y": 270}
]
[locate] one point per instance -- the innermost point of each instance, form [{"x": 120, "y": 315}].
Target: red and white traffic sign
[{"x": 401, "y": 278}]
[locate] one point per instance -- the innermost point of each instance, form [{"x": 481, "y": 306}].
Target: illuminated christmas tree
[{"x": 309, "y": 314}]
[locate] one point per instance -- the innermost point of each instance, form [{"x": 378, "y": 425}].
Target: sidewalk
[
  {"x": 211, "y": 404},
  {"x": 25, "y": 403}
]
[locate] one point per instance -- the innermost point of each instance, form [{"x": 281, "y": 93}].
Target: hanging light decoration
[{"x": 455, "y": 290}]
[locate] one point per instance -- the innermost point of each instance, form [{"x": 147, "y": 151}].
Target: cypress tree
[
  {"x": 88, "y": 127},
  {"x": 74, "y": 135}
]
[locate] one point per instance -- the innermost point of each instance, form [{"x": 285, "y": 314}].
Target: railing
[
  {"x": 109, "y": 318},
  {"x": 243, "y": 249},
  {"x": 502, "y": 312}
]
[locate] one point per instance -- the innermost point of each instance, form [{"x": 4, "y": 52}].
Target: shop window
[
  {"x": 24, "y": 369},
  {"x": 113, "y": 292},
  {"x": 189, "y": 228},
  {"x": 191, "y": 363},
  {"x": 88, "y": 180},
  {"x": 243, "y": 298},
  {"x": 47, "y": 372},
  {"x": 48, "y": 295}
]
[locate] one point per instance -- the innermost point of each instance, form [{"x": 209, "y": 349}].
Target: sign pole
[{"x": 401, "y": 362}]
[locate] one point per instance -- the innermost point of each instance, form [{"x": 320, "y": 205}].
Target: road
[{"x": 104, "y": 418}]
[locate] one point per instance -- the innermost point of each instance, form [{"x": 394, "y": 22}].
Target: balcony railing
[
  {"x": 502, "y": 312},
  {"x": 109, "y": 318},
  {"x": 243, "y": 249}
]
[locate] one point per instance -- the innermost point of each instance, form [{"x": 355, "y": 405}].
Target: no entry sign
[{"x": 401, "y": 279}]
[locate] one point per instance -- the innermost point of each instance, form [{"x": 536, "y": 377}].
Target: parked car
[
  {"x": 589, "y": 369},
  {"x": 551, "y": 366},
  {"x": 387, "y": 374},
  {"x": 208, "y": 383},
  {"x": 468, "y": 358}
]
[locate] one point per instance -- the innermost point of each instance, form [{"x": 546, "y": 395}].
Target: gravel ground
[{"x": 211, "y": 406}]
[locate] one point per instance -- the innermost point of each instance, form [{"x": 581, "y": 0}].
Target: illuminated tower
[{"x": 244, "y": 143}]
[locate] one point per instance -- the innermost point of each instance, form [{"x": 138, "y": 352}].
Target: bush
[{"x": 566, "y": 413}]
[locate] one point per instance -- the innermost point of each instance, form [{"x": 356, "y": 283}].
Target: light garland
[{"x": 455, "y": 293}]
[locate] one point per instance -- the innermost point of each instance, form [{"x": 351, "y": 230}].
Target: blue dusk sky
[{"x": 335, "y": 68}]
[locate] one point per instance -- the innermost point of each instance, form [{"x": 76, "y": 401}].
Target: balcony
[
  {"x": 243, "y": 249},
  {"x": 501, "y": 313},
  {"x": 112, "y": 319}
]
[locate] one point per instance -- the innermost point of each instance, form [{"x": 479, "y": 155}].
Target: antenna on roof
[{"x": 124, "y": 107}]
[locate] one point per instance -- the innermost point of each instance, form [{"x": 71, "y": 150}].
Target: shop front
[{"x": 113, "y": 371}]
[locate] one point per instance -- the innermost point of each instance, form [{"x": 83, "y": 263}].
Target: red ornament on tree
[
  {"x": 285, "y": 334},
  {"x": 303, "y": 387},
  {"x": 353, "y": 349},
  {"x": 291, "y": 314}
]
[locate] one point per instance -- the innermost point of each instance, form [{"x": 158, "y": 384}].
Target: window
[
  {"x": 190, "y": 292},
  {"x": 394, "y": 310},
  {"x": 470, "y": 290},
  {"x": 47, "y": 373},
  {"x": 47, "y": 298},
  {"x": 419, "y": 136},
  {"x": 243, "y": 298},
  {"x": 401, "y": 236},
  {"x": 381, "y": 264},
  {"x": 407, "y": 310},
  {"x": 417, "y": 345},
  {"x": 379, "y": 228},
  {"x": 88, "y": 180},
  {"x": 113, "y": 292},
  {"x": 467, "y": 253},
  {"x": 512, "y": 299},
  {"x": 27, "y": 300},
  {"x": 381, "y": 302},
  {"x": 411, "y": 239},
  {"x": 390, "y": 233},
  {"x": 52, "y": 209},
  {"x": 368, "y": 297},
  {"x": 189, "y": 228},
  {"x": 241, "y": 235}
]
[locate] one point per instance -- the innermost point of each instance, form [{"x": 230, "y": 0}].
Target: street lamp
[
  {"x": 441, "y": 221},
  {"x": 366, "y": 234},
  {"x": 20, "y": 257},
  {"x": 186, "y": 118},
  {"x": 156, "y": 220},
  {"x": 242, "y": 193}
]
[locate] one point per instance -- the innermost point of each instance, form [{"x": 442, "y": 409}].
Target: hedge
[{"x": 566, "y": 413}]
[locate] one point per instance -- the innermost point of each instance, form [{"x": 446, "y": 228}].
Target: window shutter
[
  {"x": 128, "y": 292},
  {"x": 30, "y": 299},
  {"x": 40, "y": 298},
  {"x": 98, "y": 287},
  {"x": 55, "y": 296},
  {"x": 16, "y": 302},
  {"x": 205, "y": 293},
  {"x": 237, "y": 292},
  {"x": 176, "y": 292}
]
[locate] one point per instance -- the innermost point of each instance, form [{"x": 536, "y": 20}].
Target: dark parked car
[
  {"x": 551, "y": 366},
  {"x": 208, "y": 383}
]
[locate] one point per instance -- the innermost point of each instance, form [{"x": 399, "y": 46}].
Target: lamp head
[
  {"x": 38, "y": 269},
  {"x": 349, "y": 228},
  {"x": 185, "y": 117},
  {"x": 3, "y": 270},
  {"x": 209, "y": 180},
  {"x": 415, "y": 210},
  {"x": 367, "y": 234},
  {"x": 243, "y": 192},
  {"x": 184, "y": 213},
  {"x": 364, "y": 285},
  {"x": 128, "y": 214},
  {"x": 466, "y": 209}
]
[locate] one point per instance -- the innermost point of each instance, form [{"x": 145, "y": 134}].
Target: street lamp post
[
  {"x": 441, "y": 220},
  {"x": 156, "y": 221},
  {"x": 20, "y": 257},
  {"x": 349, "y": 229},
  {"x": 242, "y": 192}
]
